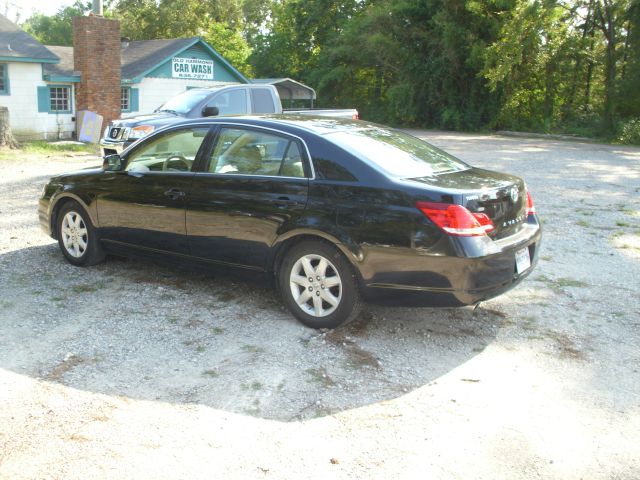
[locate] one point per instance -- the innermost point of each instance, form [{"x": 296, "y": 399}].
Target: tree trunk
[
  {"x": 608, "y": 27},
  {"x": 6, "y": 137}
]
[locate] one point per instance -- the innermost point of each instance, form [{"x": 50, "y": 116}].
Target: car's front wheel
[
  {"x": 318, "y": 285},
  {"x": 77, "y": 236}
]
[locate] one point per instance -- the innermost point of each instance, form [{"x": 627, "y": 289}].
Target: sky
[{"x": 26, "y": 7}]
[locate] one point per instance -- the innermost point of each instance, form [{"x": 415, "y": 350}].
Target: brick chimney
[{"x": 96, "y": 55}]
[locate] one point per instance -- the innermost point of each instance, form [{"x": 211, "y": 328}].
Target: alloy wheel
[
  {"x": 75, "y": 236},
  {"x": 315, "y": 285}
]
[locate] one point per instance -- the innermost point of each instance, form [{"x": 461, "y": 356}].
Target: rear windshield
[
  {"x": 396, "y": 153},
  {"x": 184, "y": 102}
]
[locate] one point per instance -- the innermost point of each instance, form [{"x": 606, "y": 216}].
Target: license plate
[{"x": 523, "y": 260}]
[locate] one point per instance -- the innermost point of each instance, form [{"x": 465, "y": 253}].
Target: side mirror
[
  {"x": 210, "y": 112},
  {"x": 112, "y": 163}
]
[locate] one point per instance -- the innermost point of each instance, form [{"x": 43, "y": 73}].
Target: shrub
[{"x": 630, "y": 132}]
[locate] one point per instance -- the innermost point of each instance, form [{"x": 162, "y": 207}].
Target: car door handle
[
  {"x": 284, "y": 202},
  {"x": 174, "y": 193}
]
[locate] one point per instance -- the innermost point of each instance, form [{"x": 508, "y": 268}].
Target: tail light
[
  {"x": 456, "y": 220},
  {"x": 531, "y": 209}
]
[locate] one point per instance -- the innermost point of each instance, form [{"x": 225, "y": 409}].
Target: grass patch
[
  {"x": 255, "y": 386},
  {"x": 582, "y": 223},
  {"x": 194, "y": 323},
  {"x": 320, "y": 376},
  {"x": 227, "y": 296},
  {"x": 210, "y": 373},
  {"x": 586, "y": 213},
  {"x": 559, "y": 284},
  {"x": 194, "y": 343},
  {"x": 626, "y": 246},
  {"x": 622, "y": 224},
  {"x": 217, "y": 330},
  {"x": 252, "y": 349},
  {"x": 86, "y": 288},
  {"x": 570, "y": 282},
  {"x": 43, "y": 147}
]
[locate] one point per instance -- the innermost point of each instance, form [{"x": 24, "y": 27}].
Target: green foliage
[
  {"x": 57, "y": 29},
  {"x": 230, "y": 43},
  {"x": 630, "y": 132},
  {"x": 541, "y": 65},
  {"x": 218, "y": 22}
]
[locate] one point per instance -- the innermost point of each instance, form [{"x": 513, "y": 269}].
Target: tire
[
  {"x": 331, "y": 297},
  {"x": 77, "y": 236}
]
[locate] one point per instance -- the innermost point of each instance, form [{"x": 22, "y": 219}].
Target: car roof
[{"x": 319, "y": 125}]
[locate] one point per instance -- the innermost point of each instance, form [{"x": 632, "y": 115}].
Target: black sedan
[{"x": 335, "y": 210}]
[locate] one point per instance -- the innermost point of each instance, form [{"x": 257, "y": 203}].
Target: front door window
[{"x": 173, "y": 152}]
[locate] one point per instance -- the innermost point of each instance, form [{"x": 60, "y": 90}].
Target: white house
[
  {"x": 22, "y": 62},
  {"x": 38, "y": 83}
]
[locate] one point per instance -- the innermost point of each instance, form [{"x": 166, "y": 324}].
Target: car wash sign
[{"x": 194, "y": 68}]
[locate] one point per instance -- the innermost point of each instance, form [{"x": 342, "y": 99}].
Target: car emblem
[
  {"x": 115, "y": 132},
  {"x": 514, "y": 194}
]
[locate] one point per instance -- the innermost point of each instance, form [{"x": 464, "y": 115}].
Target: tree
[
  {"x": 525, "y": 64},
  {"x": 6, "y": 137},
  {"x": 219, "y": 22},
  {"x": 609, "y": 16},
  {"x": 56, "y": 29}
]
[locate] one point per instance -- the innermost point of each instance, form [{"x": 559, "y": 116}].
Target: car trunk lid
[{"x": 500, "y": 196}]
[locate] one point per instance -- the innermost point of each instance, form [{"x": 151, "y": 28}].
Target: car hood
[
  {"x": 84, "y": 172},
  {"x": 156, "y": 119}
]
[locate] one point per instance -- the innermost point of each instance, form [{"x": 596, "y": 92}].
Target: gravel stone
[{"x": 131, "y": 369}]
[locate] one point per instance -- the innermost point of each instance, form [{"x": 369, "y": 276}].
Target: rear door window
[
  {"x": 251, "y": 152},
  {"x": 262, "y": 101},
  {"x": 232, "y": 102}
]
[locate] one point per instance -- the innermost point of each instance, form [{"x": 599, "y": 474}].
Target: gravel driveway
[{"x": 134, "y": 370}]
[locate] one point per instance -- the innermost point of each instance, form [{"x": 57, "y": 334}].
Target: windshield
[
  {"x": 184, "y": 102},
  {"x": 396, "y": 153}
]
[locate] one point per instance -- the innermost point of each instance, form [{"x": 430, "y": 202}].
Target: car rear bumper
[{"x": 444, "y": 281}]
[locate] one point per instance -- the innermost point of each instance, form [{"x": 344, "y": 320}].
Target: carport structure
[{"x": 290, "y": 91}]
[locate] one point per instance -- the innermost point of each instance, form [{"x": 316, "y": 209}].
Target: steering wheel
[{"x": 173, "y": 158}]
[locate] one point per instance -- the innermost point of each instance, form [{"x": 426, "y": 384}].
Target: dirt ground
[{"x": 134, "y": 370}]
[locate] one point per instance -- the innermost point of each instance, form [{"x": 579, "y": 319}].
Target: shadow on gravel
[{"x": 144, "y": 331}]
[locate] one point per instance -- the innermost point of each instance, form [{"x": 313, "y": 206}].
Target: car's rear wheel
[
  {"x": 77, "y": 236},
  {"x": 318, "y": 285}
]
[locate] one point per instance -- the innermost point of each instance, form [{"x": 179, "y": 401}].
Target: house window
[
  {"x": 60, "y": 99},
  {"x": 4, "y": 79},
  {"x": 125, "y": 99}
]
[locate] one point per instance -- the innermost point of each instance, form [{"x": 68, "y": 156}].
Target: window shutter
[
  {"x": 134, "y": 100},
  {"x": 44, "y": 104}
]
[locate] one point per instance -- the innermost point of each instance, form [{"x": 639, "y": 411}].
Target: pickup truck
[{"x": 204, "y": 102}]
